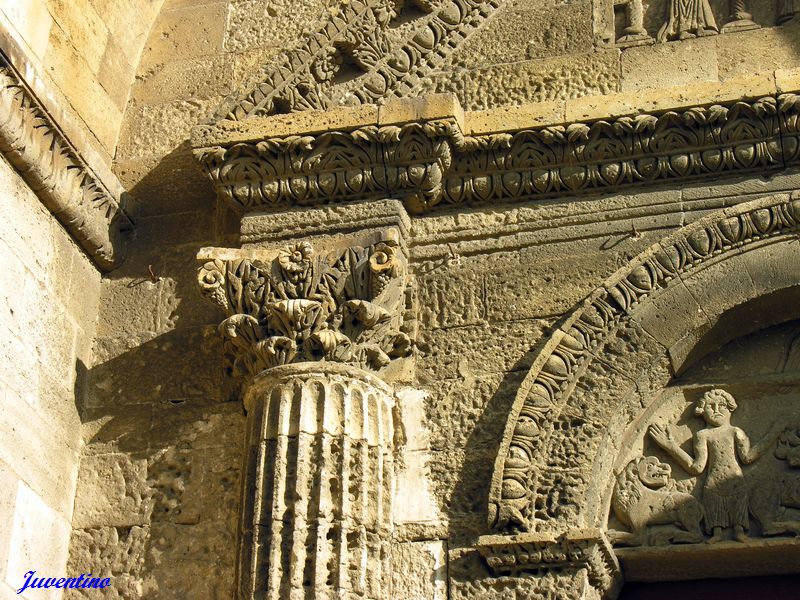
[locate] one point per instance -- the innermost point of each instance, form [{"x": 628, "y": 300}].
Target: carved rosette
[
  {"x": 317, "y": 505},
  {"x": 306, "y": 337}
]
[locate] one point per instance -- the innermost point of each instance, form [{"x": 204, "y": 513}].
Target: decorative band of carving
[
  {"x": 538, "y": 553},
  {"x": 34, "y": 144},
  {"x": 431, "y": 163},
  {"x": 317, "y": 502},
  {"x": 545, "y": 391},
  {"x": 386, "y": 61}
]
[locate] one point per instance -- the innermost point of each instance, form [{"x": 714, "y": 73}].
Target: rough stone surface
[{"x": 125, "y": 449}]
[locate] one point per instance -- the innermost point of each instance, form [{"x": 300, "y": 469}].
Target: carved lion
[
  {"x": 770, "y": 497},
  {"x": 641, "y": 500}
]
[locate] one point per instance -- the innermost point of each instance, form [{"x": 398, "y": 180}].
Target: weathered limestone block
[
  {"x": 112, "y": 490},
  {"x": 667, "y": 65},
  {"x": 527, "y": 30},
  {"x": 532, "y": 81},
  {"x": 420, "y": 571},
  {"x": 115, "y": 552}
]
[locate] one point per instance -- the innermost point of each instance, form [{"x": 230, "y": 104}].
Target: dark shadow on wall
[{"x": 158, "y": 487}]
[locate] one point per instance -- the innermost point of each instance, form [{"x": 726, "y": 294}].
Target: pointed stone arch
[{"x": 729, "y": 274}]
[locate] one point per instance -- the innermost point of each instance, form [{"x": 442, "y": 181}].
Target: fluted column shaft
[{"x": 317, "y": 493}]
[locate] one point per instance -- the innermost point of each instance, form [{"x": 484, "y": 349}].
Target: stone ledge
[
  {"x": 424, "y": 152},
  {"x": 85, "y": 203},
  {"x": 540, "y": 552}
]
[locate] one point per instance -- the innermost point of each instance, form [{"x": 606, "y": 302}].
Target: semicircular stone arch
[{"x": 729, "y": 274}]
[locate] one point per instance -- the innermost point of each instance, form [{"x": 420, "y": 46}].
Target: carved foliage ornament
[
  {"x": 577, "y": 549},
  {"x": 548, "y": 386},
  {"x": 346, "y": 307},
  {"x": 386, "y": 60},
  {"x": 432, "y": 163},
  {"x": 33, "y": 143}
]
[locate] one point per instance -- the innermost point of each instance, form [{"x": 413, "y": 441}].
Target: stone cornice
[
  {"x": 36, "y": 146},
  {"x": 540, "y": 552},
  {"x": 429, "y": 154}
]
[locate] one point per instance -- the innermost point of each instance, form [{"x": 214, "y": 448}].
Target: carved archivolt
[
  {"x": 431, "y": 163},
  {"x": 559, "y": 444},
  {"x": 386, "y": 61},
  {"x": 34, "y": 144}
]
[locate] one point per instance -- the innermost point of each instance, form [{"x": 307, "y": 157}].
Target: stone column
[
  {"x": 317, "y": 514},
  {"x": 309, "y": 340}
]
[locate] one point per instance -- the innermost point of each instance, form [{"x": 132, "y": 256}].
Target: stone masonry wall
[
  {"x": 158, "y": 485},
  {"x": 49, "y": 296},
  {"x": 90, "y": 49}
]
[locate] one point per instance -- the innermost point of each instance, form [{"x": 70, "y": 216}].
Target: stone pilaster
[{"x": 311, "y": 337}]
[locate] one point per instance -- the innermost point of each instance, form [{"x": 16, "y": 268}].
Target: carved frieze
[
  {"x": 34, "y": 144},
  {"x": 432, "y": 163},
  {"x": 734, "y": 484},
  {"x": 538, "y": 553},
  {"x": 522, "y": 461},
  {"x": 346, "y": 307}
]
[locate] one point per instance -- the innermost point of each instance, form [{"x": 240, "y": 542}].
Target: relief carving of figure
[
  {"x": 644, "y": 497},
  {"x": 719, "y": 448},
  {"x": 688, "y": 19},
  {"x": 771, "y": 498}
]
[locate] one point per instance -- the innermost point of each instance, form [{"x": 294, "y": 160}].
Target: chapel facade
[{"x": 400, "y": 299}]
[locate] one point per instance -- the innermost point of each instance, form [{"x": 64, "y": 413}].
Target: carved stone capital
[
  {"x": 34, "y": 144},
  {"x": 540, "y": 552},
  {"x": 294, "y": 305}
]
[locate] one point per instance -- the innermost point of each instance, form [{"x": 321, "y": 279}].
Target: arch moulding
[{"x": 729, "y": 274}]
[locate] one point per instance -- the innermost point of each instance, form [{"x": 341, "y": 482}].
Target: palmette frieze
[
  {"x": 432, "y": 163},
  {"x": 346, "y": 307}
]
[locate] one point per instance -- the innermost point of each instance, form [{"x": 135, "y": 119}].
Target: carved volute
[{"x": 307, "y": 338}]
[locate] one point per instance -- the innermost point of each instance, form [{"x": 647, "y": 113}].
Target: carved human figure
[
  {"x": 740, "y": 19},
  {"x": 718, "y": 450},
  {"x": 688, "y": 19}
]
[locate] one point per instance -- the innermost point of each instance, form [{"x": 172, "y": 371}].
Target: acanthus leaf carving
[
  {"x": 65, "y": 183},
  {"x": 343, "y": 307}
]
